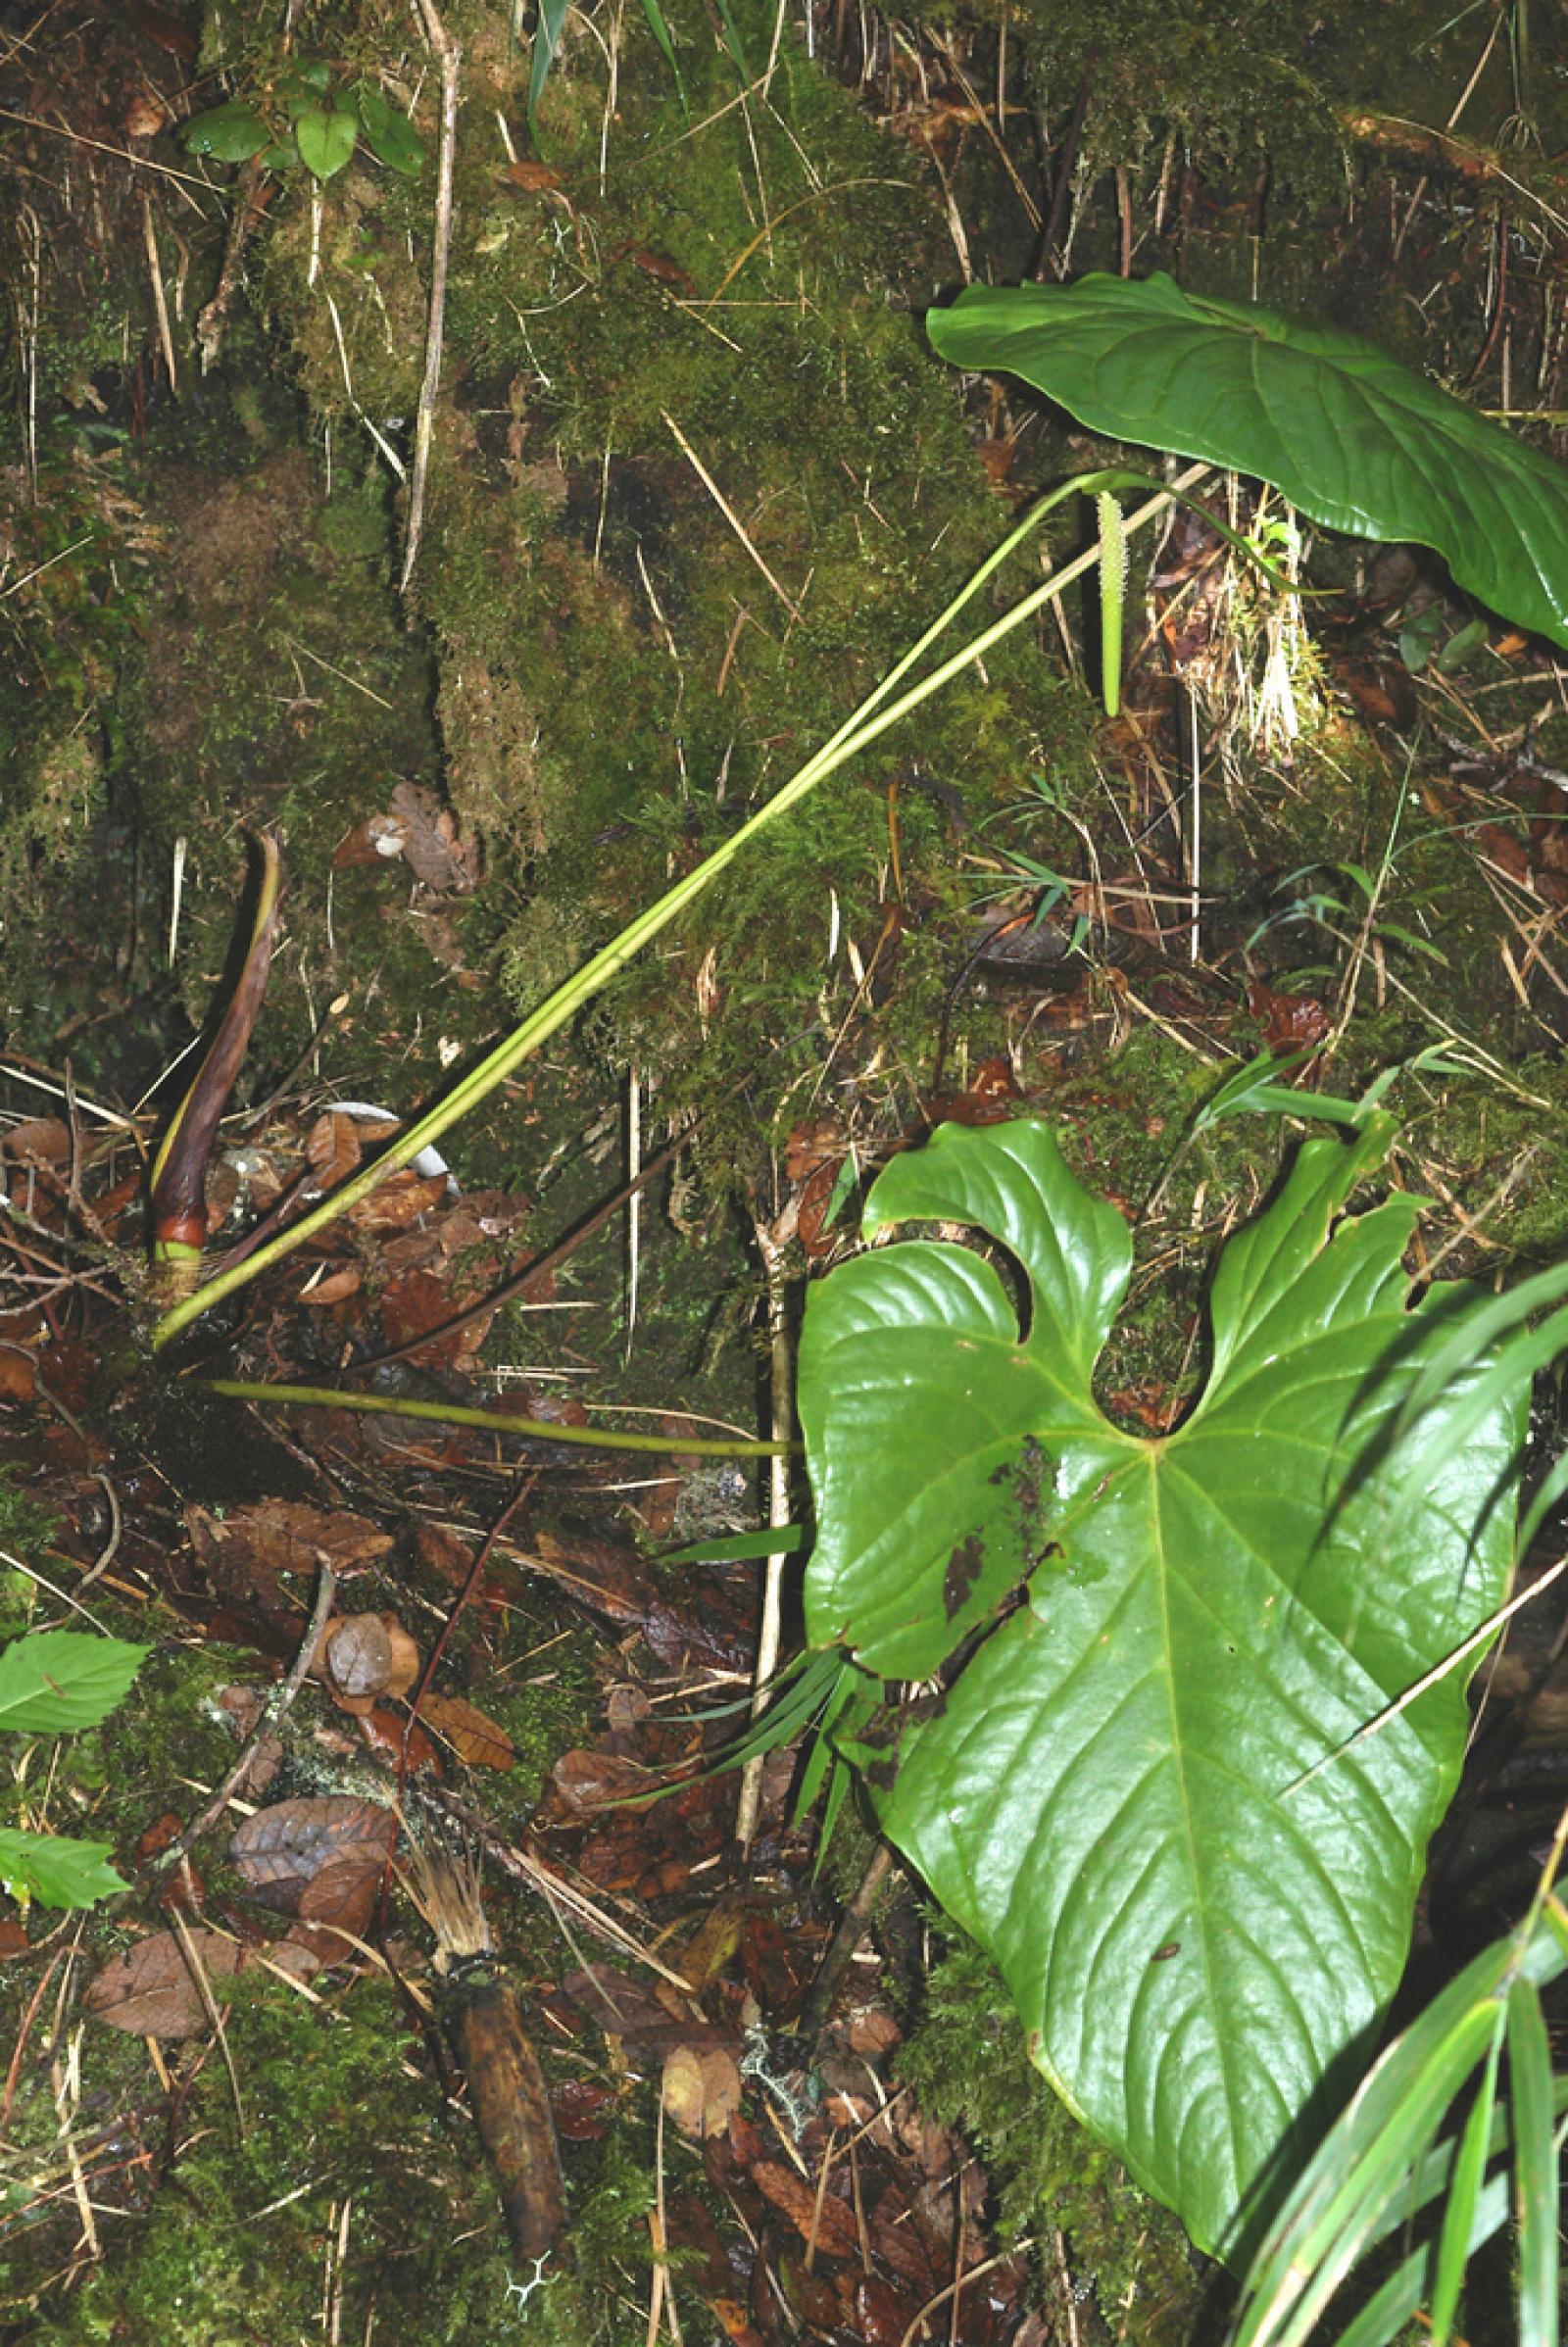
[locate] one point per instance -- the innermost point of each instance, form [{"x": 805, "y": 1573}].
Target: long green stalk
[
  {"x": 870, "y": 721},
  {"x": 499, "y": 1422}
]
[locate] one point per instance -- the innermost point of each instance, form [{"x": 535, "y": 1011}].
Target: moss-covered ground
[{"x": 695, "y": 483}]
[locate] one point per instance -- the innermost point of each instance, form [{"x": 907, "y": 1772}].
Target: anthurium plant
[
  {"x": 1190, "y": 1731},
  {"x": 1354, "y": 439}
]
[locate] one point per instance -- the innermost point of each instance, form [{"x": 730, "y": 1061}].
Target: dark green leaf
[
  {"x": 1351, "y": 437},
  {"x": 546, "y": 40},
  {"x": 326, "y": 136},
  {"x": 58, "y": 1680},
  {"x": 1122, "y": 1795},
  {"x": 388, "y": 134},
  {"x": 56, "y": 1871},
  {"x": 230, "y": 134}
]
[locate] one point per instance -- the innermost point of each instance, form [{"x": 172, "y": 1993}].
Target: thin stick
[
  {"x": 728, "y": 511},
  {"x": 842, "y": 1946},
  {"x": 272, "y": 1715},
  {"x": 155, "y": 271},
  {"x": 1441, "y": 1670},
  {"x": 448, "y": 59},
  {"x": 781, "y": 1379}
]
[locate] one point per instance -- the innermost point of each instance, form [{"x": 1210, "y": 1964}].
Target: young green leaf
[
  {"x": 231, "y": 133},
  {"x": 56, "y": 1871},
  {"x": 1351, "y": 437},
  {"x": 58, "y": 1680},
  {"x": 1113, "y": 1795},
  {"x": 326, "y": 136}
]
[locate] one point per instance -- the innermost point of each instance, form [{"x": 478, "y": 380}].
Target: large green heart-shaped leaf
[
  {"x": 1350, "y": 436},
  {"x": 1115, "y": 1794}
]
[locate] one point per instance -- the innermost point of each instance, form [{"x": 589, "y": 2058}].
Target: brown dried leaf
[
  {"x": 417, "y": 1303},
  {"x": 701, "y": 2090},
  {"x": 432, "y": 849},
  {"x": 401, "y": 1200},
  {"x": 280, "y": 1850},
  {"x": 333, "y": 1148},
  {"x": 536, "y": 179},
  {"x": 588, "y": 1781},
  {"x": 473, "y": 1736},
  {"x": 150, "y": 1990},
  {"x": 368, "y": 1655},
  {"x": 832, "y": 2228},
  {"x": 335, "y": 1289}
]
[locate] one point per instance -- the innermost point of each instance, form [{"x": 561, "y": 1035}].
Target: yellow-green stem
[{"x": 856, "y": 734}]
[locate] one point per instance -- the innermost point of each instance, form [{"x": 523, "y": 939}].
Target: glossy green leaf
[
  {"x": 56, "y": 1871},
  {"x": 58, "y": 1680},
  {"x": 388, "y": 134},
  {"x": 326, "y": 136},
  {"x": 1124, "y": 1793},
  {"x": 230, "y": 134},
  {"x": 1351, "y": 437}
]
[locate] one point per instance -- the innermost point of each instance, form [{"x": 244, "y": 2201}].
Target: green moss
[{"x": 966, "y": 2063}]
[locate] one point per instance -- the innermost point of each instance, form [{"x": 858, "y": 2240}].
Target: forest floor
[{"x": 487, "y": 1852}]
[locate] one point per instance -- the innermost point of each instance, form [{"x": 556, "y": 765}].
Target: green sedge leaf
[
  {"x": 1351, "y": 437},
  {"x": 732, "y": 40},
  {"x": 326, "y": 136},
  {"x": 1536, "y": 2205},
  {"x": 730, "y": 1548},
  {"x": 56, "y": 1871},
  {"x": 1464, "y": 2196},
  {"x": 1120, "y": 1795},
  {"x": 547, "y": 30},
  {"x": 58, "y": 1680},
  {"x": 1323, "y": 2227},
  {"x": 231, "y": 133},
  {"x": 653, "y": 18}
]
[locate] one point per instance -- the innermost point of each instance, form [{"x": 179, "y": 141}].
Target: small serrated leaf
[
  {"x": 56, "y": 1871},
  {"x": 58, "y": 1680}
]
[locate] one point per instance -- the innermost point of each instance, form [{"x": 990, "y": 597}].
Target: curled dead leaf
[
  {"x": 473, "y": 1736},
  {"x": 701, "y": 2090}
]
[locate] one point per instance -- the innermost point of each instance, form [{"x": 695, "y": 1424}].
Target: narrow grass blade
[
  {"x": 1535, "y": 2152},
  {"x": 546, "y": 41},
  {"x": 1459, "y": 2217},
  {"x": 734, "y": 1548},
  {"x": 658, "y": 28}
]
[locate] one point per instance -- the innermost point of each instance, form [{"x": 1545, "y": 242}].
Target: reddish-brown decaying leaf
[
  {"x": 151, "y": 1991},
  {"x": 473, "y": 1735},
  {"x": 279, "y": 1851}
]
